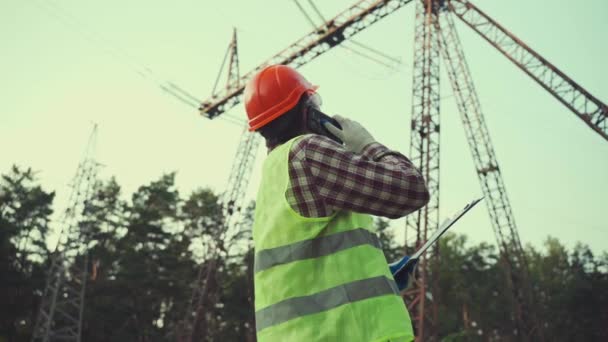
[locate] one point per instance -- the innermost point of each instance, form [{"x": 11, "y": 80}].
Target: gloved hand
[
  {"x": 405, "y": 277},
  {"x": 354, "y": 136}
]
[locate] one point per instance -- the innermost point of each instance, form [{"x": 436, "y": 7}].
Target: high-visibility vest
[{"x": 319, "y": 279}]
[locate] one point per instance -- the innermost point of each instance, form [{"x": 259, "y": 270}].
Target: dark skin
[{"x": 297, "y": 126}]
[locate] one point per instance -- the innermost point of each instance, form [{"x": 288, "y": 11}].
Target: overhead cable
[{"x": 96, "y": 40}]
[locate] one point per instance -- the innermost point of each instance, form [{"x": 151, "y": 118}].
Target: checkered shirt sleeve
[{"x": 324, "y": 178}]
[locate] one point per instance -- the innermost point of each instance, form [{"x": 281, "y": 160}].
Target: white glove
[{"x": 354, "y": 136}]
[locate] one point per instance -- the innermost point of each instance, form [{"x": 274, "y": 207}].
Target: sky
[{"x": 67, "y": 64}]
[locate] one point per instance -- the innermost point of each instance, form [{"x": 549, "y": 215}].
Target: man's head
[{"x": 276, "y": 100}]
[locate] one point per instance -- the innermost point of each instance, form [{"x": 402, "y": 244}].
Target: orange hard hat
[{"x": 272, "y": 92}]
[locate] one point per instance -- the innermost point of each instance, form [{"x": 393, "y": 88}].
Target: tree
[
  {"x": 568, "y": 283},
  {"x": 25, "y": 210},
  {"x": 472, "y": 291},
  {"x": 392, "y": 250},
  {"x": 146, "y": 251},
  {"x": 145, "y": 264}
]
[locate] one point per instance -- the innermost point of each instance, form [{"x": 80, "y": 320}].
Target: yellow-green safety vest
[{"x": 319, "y": 279}]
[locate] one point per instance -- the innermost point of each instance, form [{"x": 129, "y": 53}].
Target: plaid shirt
[{"x": 324, "y": 178}]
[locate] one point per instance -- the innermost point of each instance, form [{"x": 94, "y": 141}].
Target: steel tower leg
[
  {"x": 62, "y": 303},
  {"x": 424, "y": 153},
  {"x": 489, "y": 176}
]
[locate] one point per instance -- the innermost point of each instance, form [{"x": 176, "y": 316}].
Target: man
[{"x": 320, "y": 273}]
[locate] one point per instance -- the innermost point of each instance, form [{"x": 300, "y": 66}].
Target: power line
[
  {"x": 367, "y": 47},
  {"x": 312, "y": 23},
  {"x": 102, "y": 44},
  {"x": 354, "y": 42},
  {"x": 314, "y": 7},
  {"x": 366, "y": 56}
]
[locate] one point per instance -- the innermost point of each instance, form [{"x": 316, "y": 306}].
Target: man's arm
[{"x": 376, "y": 181}]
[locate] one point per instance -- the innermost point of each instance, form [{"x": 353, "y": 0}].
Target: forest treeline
[{"x": 147, "y": 248}]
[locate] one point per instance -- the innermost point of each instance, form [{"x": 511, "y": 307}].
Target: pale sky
[{"x": 68, "y": 63}]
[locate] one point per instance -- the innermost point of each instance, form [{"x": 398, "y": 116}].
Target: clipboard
[{"x": 438, "y": 233}]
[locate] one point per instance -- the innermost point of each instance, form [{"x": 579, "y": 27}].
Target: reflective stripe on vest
[
  {"x": 314, "y": 248},
  {"x": 325, "y": 300}
]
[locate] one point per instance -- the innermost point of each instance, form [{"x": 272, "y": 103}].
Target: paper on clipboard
[{"x": 433, "y": 238}]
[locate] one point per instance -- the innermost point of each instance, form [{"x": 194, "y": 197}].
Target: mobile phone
[{"x": 316, "y": 123}]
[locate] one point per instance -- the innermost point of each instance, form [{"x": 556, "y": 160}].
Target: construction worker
[{"x": 320, "y": 273}]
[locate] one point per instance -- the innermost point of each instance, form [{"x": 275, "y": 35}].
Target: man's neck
[{"x": 270, "y": 146}]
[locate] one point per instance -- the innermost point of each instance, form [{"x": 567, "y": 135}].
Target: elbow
[
  {"x": 418, "y": 197},
  {"x": 425, "y": 196}
]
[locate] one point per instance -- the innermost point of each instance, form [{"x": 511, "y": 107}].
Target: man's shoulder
[{"x": 311, "y": 144}]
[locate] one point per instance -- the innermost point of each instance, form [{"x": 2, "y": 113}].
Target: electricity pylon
[
  {"x": 62, "y": 303},
  {"x": 435, "y": 36}
]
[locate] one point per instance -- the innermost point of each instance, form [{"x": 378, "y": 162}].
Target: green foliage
[
  {"x": 25, "y": 210},
  {"x": 572, "y": 292},
  {"x": 146, "y": 253},
  {"x": 392, "y": 250}
]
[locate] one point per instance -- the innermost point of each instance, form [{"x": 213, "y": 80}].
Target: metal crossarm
[
  {"x": 345, "y": 25},
  {"x": 586, "y": 106}
]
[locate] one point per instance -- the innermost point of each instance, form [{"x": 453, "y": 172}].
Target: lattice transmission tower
[
  {"x": 62, "y": 303},
  {"x": 436, "y": 38}
]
